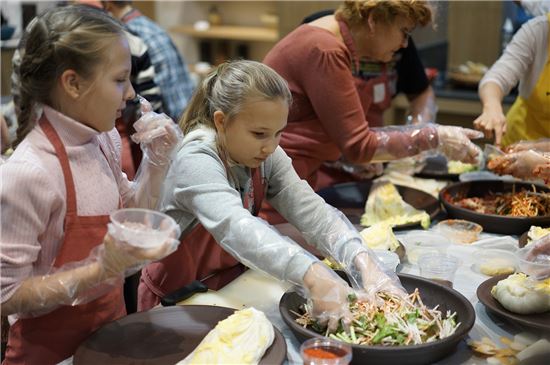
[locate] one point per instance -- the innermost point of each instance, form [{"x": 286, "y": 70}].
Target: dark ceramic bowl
[
  {"x": 432, "y": 294},
  {"x": 491, "y": 222},
  {"x": 350, "y": 198}
]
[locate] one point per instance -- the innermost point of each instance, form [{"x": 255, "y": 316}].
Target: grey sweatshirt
[{"x": 198, "y": 190}]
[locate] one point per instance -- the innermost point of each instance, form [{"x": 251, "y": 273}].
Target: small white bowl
[
  {"x": 142, "y": 228},
  {"x": 492, "y": 262}
]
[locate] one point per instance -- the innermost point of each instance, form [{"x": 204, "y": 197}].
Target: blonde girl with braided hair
[
  {"x": 229, "y": 162},
  {"x": 62, "y": 273}
]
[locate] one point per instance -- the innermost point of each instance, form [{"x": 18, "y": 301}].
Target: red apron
[
  {"x": 55, "y": 336},
  {"x": 198, "y": 256},
  {"x": 308, "y": 158}
]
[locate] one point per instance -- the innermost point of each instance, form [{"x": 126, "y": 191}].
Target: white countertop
[{"x": 255, "y": 289}]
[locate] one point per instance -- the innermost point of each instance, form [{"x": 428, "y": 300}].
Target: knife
[{"x": 198, "y": 286}]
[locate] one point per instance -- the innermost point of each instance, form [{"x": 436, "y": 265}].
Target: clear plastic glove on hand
[
  {"x": 157, "y": 134},
  {"x": 455, "y": 144},
  {"x": 369, "y": 274},
  {"x": 136, "y": 237},
  {"x": 328, "y": 295},
  {"x": 519, "y": 164},
  {"x": 539, "y": 145}
]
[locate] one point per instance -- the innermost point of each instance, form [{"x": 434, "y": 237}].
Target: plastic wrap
[
  {"x": 159, "y": 138},
  {"x": 339, "y": 240},
  {"x": 82, "y": 281},
  {"x": 519, "y": 164},
  {"x": 328, "y": 296},
  {"x": 539, "y": 250},
  {"x": 455, "y": 144},
  {"x": 539, "y": 145},
  {"x": 397, "y": 142}
]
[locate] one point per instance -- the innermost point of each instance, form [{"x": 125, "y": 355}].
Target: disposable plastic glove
[
  {"x": 455, "y": 144},
  {"x": 328, "y": 296},
  {"x": 123, "y": 259},
  {"x": 540, "y": 252},
  {"x": 543, "y": 172},
  {"x": 159, "y": 138},
  {"x": 82, "y": 281},
  {"x": 369, "y": 274},
  {"x": 157, "y": 135},
  {"x": 519, "y": 164},
  {"x": 540, "y": 145}
]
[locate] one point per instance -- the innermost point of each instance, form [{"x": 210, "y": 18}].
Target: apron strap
[
  {"x": 61, "y": 153},
  {"x": 348, "y": 41}
]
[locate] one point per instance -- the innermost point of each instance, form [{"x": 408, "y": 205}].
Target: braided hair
[{"x": 71, "y": 37}]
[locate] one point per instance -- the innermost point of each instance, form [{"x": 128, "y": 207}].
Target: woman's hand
[
  {"x": 519, "y": 164},
  {"x": 455, "y": 144},
  {"x": 492, "y": 120}
]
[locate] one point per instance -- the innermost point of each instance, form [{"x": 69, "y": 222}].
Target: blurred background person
[
  {"x": 172, "y": 75},
  {"x": 328, "y": 119},
  {"x": 525, "y": 60}
]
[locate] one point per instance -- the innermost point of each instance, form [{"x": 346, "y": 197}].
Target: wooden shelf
[{"x": 230, "y": 32}]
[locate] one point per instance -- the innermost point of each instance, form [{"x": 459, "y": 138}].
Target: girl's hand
[
  {"x": 157, "y": 134},
  {"x": 373, "y": 279},
  {"x": 328, "y": 294}
]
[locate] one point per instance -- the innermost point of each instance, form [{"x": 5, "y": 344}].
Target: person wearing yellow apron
[{"x": 527, "y": 60}]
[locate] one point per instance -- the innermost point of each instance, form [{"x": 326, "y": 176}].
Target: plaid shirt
[{"x": 171, "y": 71}]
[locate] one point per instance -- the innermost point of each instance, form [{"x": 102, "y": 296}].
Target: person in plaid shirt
[{"x": 172, "y": 74}]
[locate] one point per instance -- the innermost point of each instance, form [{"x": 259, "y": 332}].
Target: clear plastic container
[
  {"x": 539, "y": 268},
  {"x": 421, "y": 242},
  {"x": 459, "y": 230},
  {"x": 142, "y": 228},
  {"x": 389, "y": 259},
  {"x": 438, "y": 267},
  {"x": 492, "y": 262},
  {"x": 324, "y": 351}
]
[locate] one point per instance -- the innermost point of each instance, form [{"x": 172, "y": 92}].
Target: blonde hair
[
  {"x": 227, "y": 89},
  {"x": 71, "y": 37},
  {"x": 357, "y": 12}
]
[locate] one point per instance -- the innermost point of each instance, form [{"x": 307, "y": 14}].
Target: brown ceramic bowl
[
  {"x": 491, "y": 222},
  {"x": 432, "y": 294},
  {"x": 160, "y": 336},
  {"x": 350, "y": 198}
]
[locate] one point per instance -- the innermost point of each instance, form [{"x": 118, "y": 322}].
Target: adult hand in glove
[
  {"x": 540, "y": 145},
  {"x": 157, "y": 134},
  {"x": 328, "y": 296},
  {"x": 455, "y": 144},
  {"x": 519, "y": 164}
]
